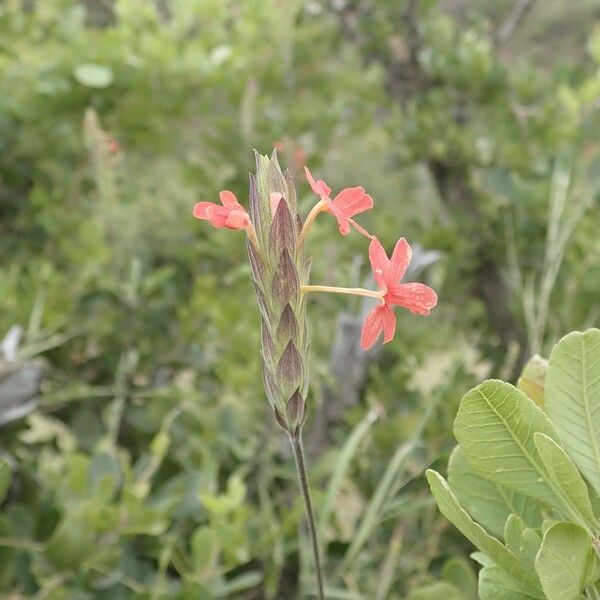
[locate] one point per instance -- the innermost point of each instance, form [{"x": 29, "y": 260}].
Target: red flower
[
  {"x": 231, "y": 215},
  {"x": 416, "y": 297},
  {"x": 349, "y": 202},
  {"x": 113, "y": 146}
]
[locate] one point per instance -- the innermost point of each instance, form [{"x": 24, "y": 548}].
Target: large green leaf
[
  {"x": 438, "y": 591},
  {"x": 562, "y": 562},
  {"x": 524, "y": 543},
  {"x": 459, "y": 572},
  {"x": 573, "y": 399},
  {"x": 489, "y": 503},
  {"x": 459, "y": 517},
  {"x": 495, "y": 584},
  {"x": 495, "y": 426},
  {"x": 566, "y": 476}
]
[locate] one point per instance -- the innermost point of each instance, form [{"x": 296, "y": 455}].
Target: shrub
[{"x": 524, "y": 480}]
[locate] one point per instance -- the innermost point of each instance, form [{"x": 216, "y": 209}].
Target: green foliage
[
  {"x": 459, "y": 583},
  {"x": 148, "y": 470},
  {"x": 573, "y": 393},
  {"x": 5, "y": 473},
  {"x": 498, "y": 553},
  {"x": 506, "y": 442},
  {"x": 563, "y": 561},
  {"x": 490, "y": 503}
]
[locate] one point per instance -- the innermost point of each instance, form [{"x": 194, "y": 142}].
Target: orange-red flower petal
[
  {"x": 380, "y": 320},
  {"x": 228, "y": 199},
  {"x": 353, "y": 201},
  {"x": 401, "y": 257},
  {"x": 389, "y": 272},
  {"x": 416, "y": 297},
  {"x": 380, "y": 263},
  {"x": 318, "y": 187}
]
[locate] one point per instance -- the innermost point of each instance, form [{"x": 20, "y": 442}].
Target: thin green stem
[{"x": 296, "y": 441}]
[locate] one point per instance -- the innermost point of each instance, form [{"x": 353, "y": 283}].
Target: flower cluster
[
  {"x": 276, "y": 236},
  {"x": 416, "y": 297}
]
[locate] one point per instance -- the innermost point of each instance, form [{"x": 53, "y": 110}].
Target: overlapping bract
[{"x": 279, "y": 268}]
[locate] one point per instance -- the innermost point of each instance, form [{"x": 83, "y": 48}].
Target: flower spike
[{"x": 280, "y": 273}]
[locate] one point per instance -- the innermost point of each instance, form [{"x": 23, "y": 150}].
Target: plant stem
[{"x": 296, "y": 441}]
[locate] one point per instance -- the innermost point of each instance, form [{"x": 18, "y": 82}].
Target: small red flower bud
[{"x": 232, "y": 215}]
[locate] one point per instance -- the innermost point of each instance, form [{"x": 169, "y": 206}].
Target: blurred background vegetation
[{"x": 148, "y": 465}]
